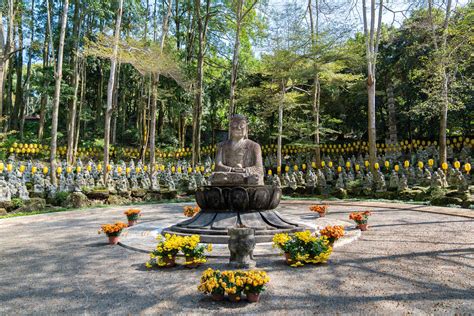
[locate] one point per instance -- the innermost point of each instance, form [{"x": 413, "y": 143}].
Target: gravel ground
[{"x": 408, "y": 262}]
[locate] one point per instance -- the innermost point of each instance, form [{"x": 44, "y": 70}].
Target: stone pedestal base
[{"x": 245, "y": 207}]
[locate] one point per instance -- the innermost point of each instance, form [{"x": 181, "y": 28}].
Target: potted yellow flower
[
  {"x": 193, "y": 251},
  {"x": 132, "y": 215},
  {"x": 211, "y": 284},
  {"x": 233, "y": 283},
  {"x": 164, "y": 256},
  {"x": 303, "y": 247},
  {"x": 113, "y": 231},
  {"x": 254, "y": 284}
]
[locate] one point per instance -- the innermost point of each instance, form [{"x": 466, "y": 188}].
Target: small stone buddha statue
[{"x": 238, "y": 160}]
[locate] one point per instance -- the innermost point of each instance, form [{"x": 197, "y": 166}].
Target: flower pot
[
  {"x": 253, "y": 297},
  {"x": 169, "y": 262},
  {"x": 234, "y": 297},
  {"x": 190, "y": 264},
  {"x": 132, "y": 222},
  {"x": 113, "y": 240},
  {"x": 362, "y": 227},
  {"x": 288, "y": 259},
  {"x": 217, "y": 297},
  {"x": 322, "y": 214}
]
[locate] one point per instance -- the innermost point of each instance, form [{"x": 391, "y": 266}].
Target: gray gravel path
[{"x": 408, "y": 262}]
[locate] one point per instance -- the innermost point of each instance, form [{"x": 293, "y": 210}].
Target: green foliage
[
  {"x": 60, "y": 198},
  {"x": 275, "y": 51},
  {"x": 17, "y": 203}
]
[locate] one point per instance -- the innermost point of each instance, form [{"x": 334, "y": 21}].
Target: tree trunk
[
  {"x": 81, "y": 102},
  {"x": 48, "y": 44},
  {"x": 9, "y": 97},
  {"x": 115, "y": 105},
  {"x": 197, "y": 109},
  {"x": 19, "y": 104},
  {"x": 75, "y": 83},
  {"x": 5, "y": 48},
  {"x": 316, "y": 115},
  {"x": 182, "y": 129},
  {"x": 145, "y": 126},
  {"x": 28, "y": 71},
  {"x": 443, "y": 121},
  {"x": 372, "y": 39},
  {"x": 110, "y": 88},
  {"x": 100, "y": 89},
  {"x": 154, "y": 92},
  {"x": 371, "y": 119},
  {"x": 392, "y": 121},
  {"x": 155, "y": 78},
  {"x": 280, "y": 124},
  {"x": 57, "y": 92},
  {"x": 441, "y": 59},
  {"x": 2, "y": 74},
  {"x": 235, "y": 59},
  {"x": 6, "y": 66},
  {"x": 314, "y": 24}
]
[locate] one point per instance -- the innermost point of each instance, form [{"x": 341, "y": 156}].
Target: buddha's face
[{"x": 238, "y": 129}]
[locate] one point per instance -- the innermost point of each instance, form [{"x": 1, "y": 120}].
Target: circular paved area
[
  {"x": 142, "y": 237},
  {"x": 410, "y": 261}
]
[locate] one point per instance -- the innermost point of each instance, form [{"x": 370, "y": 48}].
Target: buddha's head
[{"x": 238, "y": 127}]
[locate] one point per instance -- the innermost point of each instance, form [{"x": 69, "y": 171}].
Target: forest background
[{"x": 168, "y": 74}]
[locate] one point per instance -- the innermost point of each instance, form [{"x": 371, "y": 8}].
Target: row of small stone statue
[
  {"x": 13, "y": 182},
  {"x": 373, "y": 182},
  {"x": 430, "y": 152}
]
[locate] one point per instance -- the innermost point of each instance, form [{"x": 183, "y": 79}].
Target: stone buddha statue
[{"x": 238, "y": 160}]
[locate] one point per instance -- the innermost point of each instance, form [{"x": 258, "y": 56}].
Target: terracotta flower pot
[
  {"x": 234, "y": 297},
  {"x": 253, "y": 297},
  {"x": 363, "y": 227},
  {"x": 132, "y": 222},
  {"x": 113, "y": 240},
  {"x": 169, "y": 262},
  {"x": 217, "y": 297},
  {"x": 288, "y": 259},
  {"x": 190, "y": 264},
  {"x": 322, "y": 214}
]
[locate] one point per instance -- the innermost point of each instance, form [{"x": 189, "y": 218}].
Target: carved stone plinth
[
  {"x": 241, "y": 245},
  {"x": 238, "y": 198}
]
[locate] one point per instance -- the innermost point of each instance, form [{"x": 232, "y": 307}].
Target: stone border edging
[{"x": 402, "y": 206}]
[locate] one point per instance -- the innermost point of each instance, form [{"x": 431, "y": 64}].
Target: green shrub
[
  {"x": 354, "y": 184},
  {"x": 17, "y": 203},
  {"x": 60, "y": 198}
]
